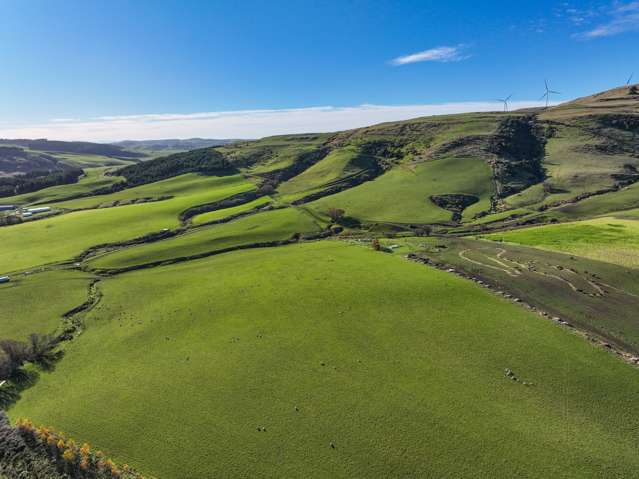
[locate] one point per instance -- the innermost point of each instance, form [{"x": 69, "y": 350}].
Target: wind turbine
[
  {"x": 548, "y": 92},
  {"x": 505, "y": 101},
  {"x": 630, "y": 78}
]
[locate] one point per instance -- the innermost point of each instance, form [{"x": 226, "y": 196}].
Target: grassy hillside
[
  {"x": 228, "y": 212},
  {"x": 68, "y": 235},
  {"x": 93, "y": 179},
  {"x": 35, "y": 303},
  {"x": 597, "y": 297},
  {"x": 400, "y": 378},
  {"x": 214, "y": 347},
  {"x": 606, "y": 239},
  {"x": 403, "y": 194},
  {"x": 276, "y": 225},
  {"x": 24, "y": 155}
]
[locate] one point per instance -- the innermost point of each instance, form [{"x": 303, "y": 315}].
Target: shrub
[
  {"x": 335, "y": 214},
  {"x": 266, "y": 189},
  {"x": 42, "y": 350},
  {"x": 39, "y": 350},
  {"x": 425, "y": 230}
]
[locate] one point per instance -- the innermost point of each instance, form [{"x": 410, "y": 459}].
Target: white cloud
[
  {"x": 438, "y": 54},
  {"x": 622, "y": 17},
  {"x": 239, "y": 124}
]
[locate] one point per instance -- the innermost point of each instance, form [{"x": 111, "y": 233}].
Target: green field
[
  {"x": 597, "y": 297},
  {"x": 89, "y": 161},
  {"x": 68, "y": 235},
  {"x": 272, "y": 153},
  {"x": 624, "y": 199},
  {"x": 35, "y": 303},
  {"x": 606, "y": 239},
  {"x": 185, "y": 190},
  {"x": 237, "y": 343},
  {"x": 337, "y": 165},
  {"x": 226, "y": 212},
  {"x": 402, "y": 371},
  {"x": 402, "y": 194},
  {"x": 269, "y": 226},
  {"x": 93, "y": 179}
]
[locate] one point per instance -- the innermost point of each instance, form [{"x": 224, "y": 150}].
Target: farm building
[
  {"x": 7, "y": 207},
  {"x": 41, "y": 209},
  {"x": 4, "y": 279}
]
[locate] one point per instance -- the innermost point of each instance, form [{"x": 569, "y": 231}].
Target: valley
[{"x": 449, "y": 296}]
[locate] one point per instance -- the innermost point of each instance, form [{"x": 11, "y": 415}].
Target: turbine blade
[
  {"x": 508, "y": 97},
  {"x": 546, "y": 82},
  {"x": 555, "y": 92},
  {"x": 630, "y": 78},
  {"x": 543, "y": 96}
]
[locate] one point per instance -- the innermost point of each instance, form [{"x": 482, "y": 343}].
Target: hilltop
[{"x": 530, "y": 163}]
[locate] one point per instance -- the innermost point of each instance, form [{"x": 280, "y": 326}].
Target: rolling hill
[{"x": 449, "y": 296}]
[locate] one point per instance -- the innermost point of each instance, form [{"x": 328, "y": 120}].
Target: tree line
[{"x": 37, "y": 180}]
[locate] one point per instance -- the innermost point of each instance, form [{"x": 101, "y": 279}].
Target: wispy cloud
[
  {"x": 619, "y": 18},
  {"x": 438, "y": 54},
  {"x": 239, "y": 124}
]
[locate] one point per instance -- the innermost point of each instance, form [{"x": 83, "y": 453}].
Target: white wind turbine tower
[
  {"x": 505, "y": 101},
  {"x": 548, "y": 92}
]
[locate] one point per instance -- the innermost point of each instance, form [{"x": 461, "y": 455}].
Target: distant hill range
[
  {"x": 22, "y": 156},
  {"x": 15, "y": 161},
  {"x": 73, "y": 147},
  {"x": 171, "y": 144}
]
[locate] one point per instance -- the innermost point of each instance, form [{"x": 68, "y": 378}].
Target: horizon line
[{"x": 243, "y": 124}]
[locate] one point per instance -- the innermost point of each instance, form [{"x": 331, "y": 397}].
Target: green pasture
[
  {"x": 272, "y": 153},
  {"x": 329, "y": 360},
  {"x": 65, "y": 236},
  {"x": 273, "y": 225},
  {"x": 595, "y": 296},
  {"x": 93, "y": 179},
  {"x": 190, "y": 189},
  {"x": 402, "y": 195},
  {"x": 35, "y": 303},
  {"x": 613, "y": 202},
  {"x": 337, "y": 165},
  {"x": 91, "y": 161},
  {"x": 573, "y": 166},
  {"x": 226, "y": 212},
  {"x": 606, "y": 239}
]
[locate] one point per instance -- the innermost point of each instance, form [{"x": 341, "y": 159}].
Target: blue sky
[{"x": 86, "y": 60}]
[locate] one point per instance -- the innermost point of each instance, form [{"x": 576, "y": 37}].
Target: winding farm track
[
  {"x": 507, "y": 271},
  {"x": 619, "y": 290},
  {"x": 514, "y": 273}
]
